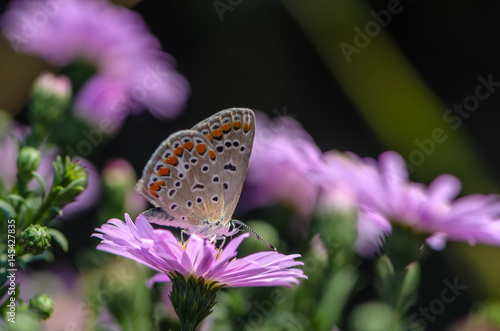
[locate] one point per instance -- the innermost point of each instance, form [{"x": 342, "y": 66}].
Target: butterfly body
[{"x": 195, "y": 177}]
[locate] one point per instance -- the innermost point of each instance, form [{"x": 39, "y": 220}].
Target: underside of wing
[
  {"x": 160, "y": 216},
  {"x": 182, "y": 178},
  {"x": 231, "y": 132}
]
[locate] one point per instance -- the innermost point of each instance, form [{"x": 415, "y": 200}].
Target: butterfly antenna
[{"x": 241, "y": 224}]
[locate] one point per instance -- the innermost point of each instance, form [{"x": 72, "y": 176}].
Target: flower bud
[
  {"x": 118, "y": 176},
  {"x": 28, "y": 160},
  {"x": 118, "y": 179},
  {"x": 43, "y": 305},
  {"x": 70, "y": 179},
  {"x": 35, "y": 239},
  {"x": 51, "y": 95},
  {"x": 336, "y": 218}
]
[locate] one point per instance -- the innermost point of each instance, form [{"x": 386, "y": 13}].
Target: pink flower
[
  {"x": 385, "y": 195},
  {"x": 282, "y": 157},
  {"x": 132, "y": 71},
  {"x": 11, "y": 135},
  {"x": 160, "y": 250}
]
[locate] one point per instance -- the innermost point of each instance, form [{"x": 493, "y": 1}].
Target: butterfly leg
[
  {"x": 182, "y": 237},
  {"x": 223, "y": 242},
  {"x": 213, "y": 239}
]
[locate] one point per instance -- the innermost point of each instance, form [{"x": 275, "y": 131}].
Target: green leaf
[
  {"x": 7, "y": 209},
  {"x": 409, "y": 287},
  {"x": 388, "y": 282},
  {"x": 57, "y": 210},
  {"x": 59, "y": 237},
  {"x": 41, "y": 182},
  {"x": 373, "y": 316},
  {"x": 16, "y": 197},
  {"x": 384, "y": 268},
  {"x": 337, "y": 291}
]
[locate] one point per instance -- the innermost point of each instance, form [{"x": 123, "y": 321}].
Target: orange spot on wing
[
  {"x": 217, "y": 133},
  {"x": 247, "y": 127},
  {"x": 155, "y": 186},
  {"x": 209, "y": 136},
  {"x": 178, "y": 151},
  {"x": 189, "y": 146},
  {"x": 237, "y": 125},
  {"x": 211, "y": 154},
  {"x": 172, "y": 160},
  {"x": 164, "y": 171},
  {"x": 153, "y": 193},
  {"x": 201, "y": 148},
  {"x": 226, "y": 127}
]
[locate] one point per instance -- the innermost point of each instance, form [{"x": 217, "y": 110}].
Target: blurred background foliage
[{"x": 283, "y": 58}]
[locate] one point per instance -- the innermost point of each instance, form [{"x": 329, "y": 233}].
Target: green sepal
[{"x": 192, "y": 298}]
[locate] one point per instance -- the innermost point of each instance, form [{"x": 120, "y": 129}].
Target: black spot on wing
[
  {"x": 230, "y": 167},
  {"x": 198, "y": 186}
]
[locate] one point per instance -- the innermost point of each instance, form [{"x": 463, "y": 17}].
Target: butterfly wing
[
  {"x": 231, "y": 133},
  {"x": 182, "y": 178}
]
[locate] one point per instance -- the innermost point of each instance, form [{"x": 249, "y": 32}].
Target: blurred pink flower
[
  {"x": 385, "y": 195},
  {"x": 11, "y": 135},
  {"x": 283, "y": 155},
  {"x": 132, "y": 71},
  {"x": 160, "y": 250}
]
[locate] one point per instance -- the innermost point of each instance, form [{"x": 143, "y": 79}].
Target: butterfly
[{"x": 195, "y": 177}]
